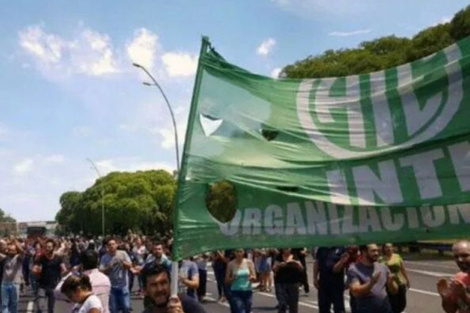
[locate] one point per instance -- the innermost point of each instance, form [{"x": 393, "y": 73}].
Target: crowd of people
[{"x": 97, "y": 276}]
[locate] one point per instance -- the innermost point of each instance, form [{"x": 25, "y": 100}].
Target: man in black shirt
[
  {"x": 301, "y": 254},
  {"x": 328, "y": 278},
  {"x": 288, "y": 273},
  {"x": 50, "y": 268},
  {"x": 156, "y": 280}
]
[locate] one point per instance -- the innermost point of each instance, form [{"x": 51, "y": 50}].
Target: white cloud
[
  {"x": 143, "y": 47},
  {"x": 90, "y": 53},
  {"x": 168, "y": 136},
  {"x": 45, "y": 47},
  {"x": 56, "y": 158},
  {"x": 180, "y": 64},
  {"x": 275, "y": 72},
  {"x": 23, "y": 167},
  {"x": 351, "y": 33},
  {"x": 93, "y": 54},
  {"x": 131, "y": 164},
  {"x": 266, "y": 46}
]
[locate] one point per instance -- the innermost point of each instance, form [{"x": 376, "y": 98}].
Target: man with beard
[
  {"x": 156, "y": 281},
  {"x": 456, "y": 295},
  {"x": 115, "y": 264},
  {"x": 49, "y": 266},
  {"x": 369, "y": 282},
  {"x": 158, "y": 256},
  {"x": 11, "y": 276}
]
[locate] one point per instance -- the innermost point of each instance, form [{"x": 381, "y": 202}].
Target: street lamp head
[
  {"x": 137, "y": 65},
  {"x": 147, "y": 84}
]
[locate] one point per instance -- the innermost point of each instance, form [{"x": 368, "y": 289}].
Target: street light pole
[
  {"x": 174, "y": 267},
  {"x": 155, "y": 83},
  {"x": 93, "y": 166}
]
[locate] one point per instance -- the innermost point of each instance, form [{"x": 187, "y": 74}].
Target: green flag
[{"x": 372, "y": 157}]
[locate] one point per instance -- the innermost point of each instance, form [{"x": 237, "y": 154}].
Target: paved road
[{"x": 422, "y": 297}]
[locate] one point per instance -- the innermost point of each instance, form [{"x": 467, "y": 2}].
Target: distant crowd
[{"x": 83, "y": 275}]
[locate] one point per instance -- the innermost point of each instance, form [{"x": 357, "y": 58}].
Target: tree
[
  {"x": 5, "y": 218},
  {"x": 140, "y": 201},
  {"x": 460, "y": 24},
  {"x": 381, "y": 53},
  {"x": 221, "y": 201}
]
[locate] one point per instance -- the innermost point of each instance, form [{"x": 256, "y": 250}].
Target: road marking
[
  {"x": 30, "y": 306},
  {"x": 219, "y": 303},
  {"x": 432, "y": 264},
  {"x": 424, "y": 292},
  {"x": 308, "y": 305},
  {"x": 429, "y": 273}
]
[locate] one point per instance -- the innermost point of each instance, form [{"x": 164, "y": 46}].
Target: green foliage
[
  {"x": 382, "y": 53},
  {"x": 140, "y": 201},
  {"x": 4, "y": 218},
  {"x": 221, "y": 201}
]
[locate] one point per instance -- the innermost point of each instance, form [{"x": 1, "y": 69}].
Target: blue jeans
[
  {"x": 10, "y": 297},
  {"x": 119, "y": 300},
  {"x": 242, "y": 301}
]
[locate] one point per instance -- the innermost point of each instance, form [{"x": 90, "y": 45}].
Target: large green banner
[{"x": 377, "y": 157}]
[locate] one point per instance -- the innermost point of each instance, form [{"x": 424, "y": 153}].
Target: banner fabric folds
[{"x": 376, "y": 157}]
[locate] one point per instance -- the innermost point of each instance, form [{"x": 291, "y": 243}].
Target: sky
[{"x": 69, "y": 92}]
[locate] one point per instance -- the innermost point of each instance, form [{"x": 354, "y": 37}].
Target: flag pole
[{"x": 182, "y": 173}]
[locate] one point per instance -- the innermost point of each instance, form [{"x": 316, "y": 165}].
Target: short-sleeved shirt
[
  {"x": 188, "y": 269},
  {"x": 118, "y": 274},
  {"x": 164, "y": 260},
  {"x": 288, "y": 274},
  {"x": 394, "y": 265},
  {"x": 12, "y": 269},
  {"x": 189, "y": 305},
  {"x": 140, "y": 253},
  {"x": 376, "y": 300},
  {"x": 327, "y": 259},
  {"x": 51, "y": 270},
  {"x": 92, "y": 302},
  {"x": 463, "y": 307}
]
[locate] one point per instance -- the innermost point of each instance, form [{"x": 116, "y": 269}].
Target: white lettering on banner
[
  {"x": 392, "y": 223},
  {"x": 334, "y": 220},
  {"x": 338, "y": 187},
  {"x": 369, "y": 220},
  {"x": 422, "y": 124},
  {"x": 316, "y": 218},
  {"x": 273, "y": 220},
  {"x": 295, "y": 221},
  {"x": 341, "y": 220},
  {"x": 252, "y": 221},
  {"x": 425, "y": 172},
  {"x": 433, "y": 216},
  {"x": 386, "y": 186},
  {"x": 415, "y": 117},
  {"x": 348, "y": 221},
  {"x": 381, "y": 109},
  {"x": 412, "y": 216},
  {"x": 350, "y": 102},
  {"x": 460, "y": 154},
  {"x": 459, "y": 210}
]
